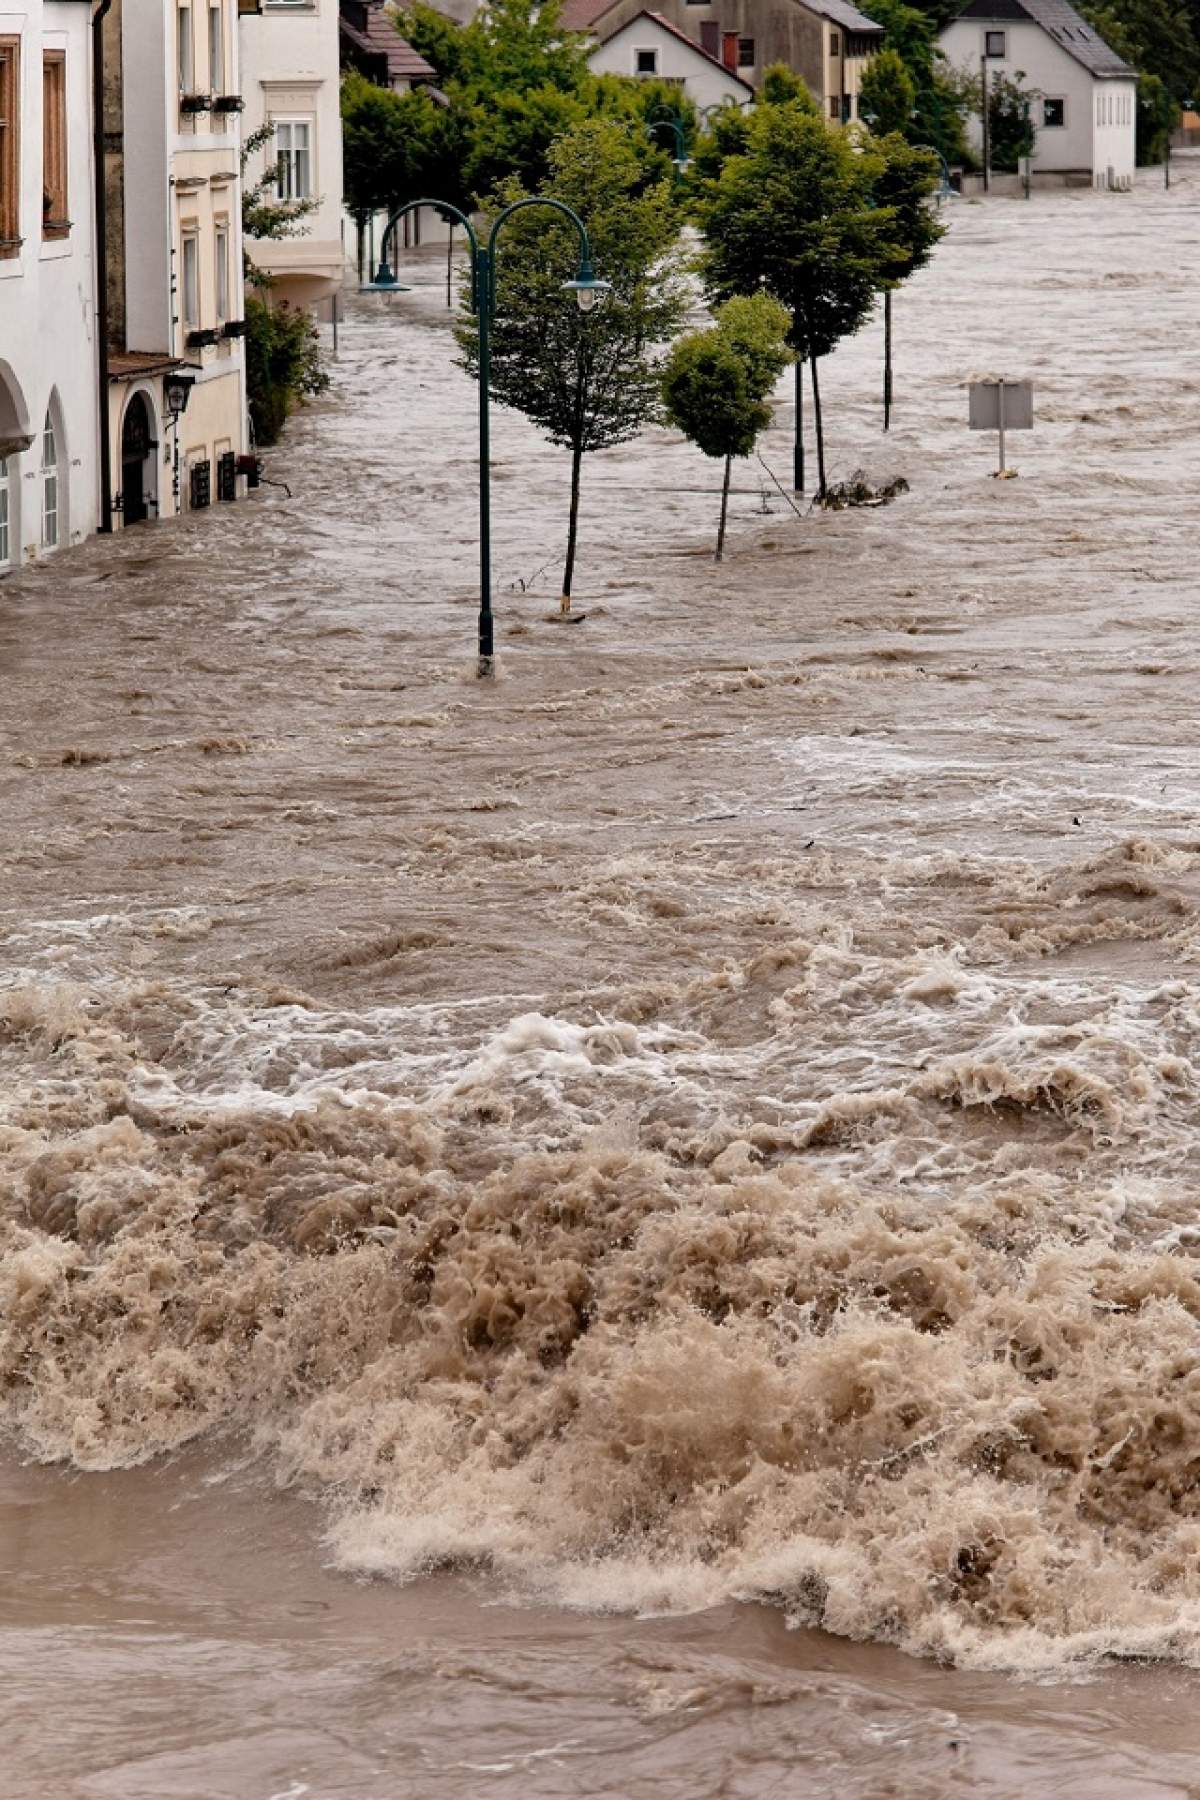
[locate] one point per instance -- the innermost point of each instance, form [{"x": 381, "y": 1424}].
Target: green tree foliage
[
  {"x": 716, "y": 383},
  {"x": 588, "y": 380},
  {"x": 396, "y": 147},
  {"x": 1011, "y": 129},
  {"x": 904, "y": 186},
  {"x": 887, "y": 95},
  {"x": 1162, "y": 41},
  {"x": 796, "y": 215},
  {"x": 780, "y": 84},
  {"x": 939, "y": 111},
  {"x": 283, "y": 365}
]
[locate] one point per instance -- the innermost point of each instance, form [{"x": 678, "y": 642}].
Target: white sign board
[{"x": 1001, "y": 406}]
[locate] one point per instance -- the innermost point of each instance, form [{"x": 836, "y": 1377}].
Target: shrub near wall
[{"x": 283, "y": 365}]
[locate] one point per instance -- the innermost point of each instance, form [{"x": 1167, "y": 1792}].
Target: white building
[
  {"x": 650, "y": 46},
  {"x": 49, "y": 378},
  {"x": 1083, "y": 97},
  {"x": 291, "y": 77},
  {"x": 174, "y": 240}
]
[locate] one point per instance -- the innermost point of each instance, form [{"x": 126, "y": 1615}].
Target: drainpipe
[{"x": 106, "y": 509}]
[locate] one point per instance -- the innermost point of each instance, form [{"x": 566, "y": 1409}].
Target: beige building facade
[{"x": 177, "y": 390}]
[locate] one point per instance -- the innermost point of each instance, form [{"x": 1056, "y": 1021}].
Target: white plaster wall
[
  {"x": 290, "y": 68},
  {"x": 1048, "y": 70},
  {"x": 704, "y": 82},
  {"x": 1115, "y": 132},
  {"x": 48, "y": 290}
]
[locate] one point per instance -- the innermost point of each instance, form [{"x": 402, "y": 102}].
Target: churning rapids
[{"x": 709, "y": 1119}]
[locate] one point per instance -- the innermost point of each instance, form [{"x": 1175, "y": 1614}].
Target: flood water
[{"x": 631, "y": 1229}]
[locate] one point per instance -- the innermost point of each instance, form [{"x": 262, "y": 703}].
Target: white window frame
[
  {"x": 50, "y": 485},
  {"x": 1054, "y": 100},
  {"x": 221, "y": 243},
  {"x": 640, "y": 50},
  {"x": 286, "y": 187},
  {"x": 6, "y": 532},
  {"x": 989, "y": 38},
  {"x": 186, "y": 49},
  {"x": 216, "y": 50},
  {"x": 189, "y": 278}
]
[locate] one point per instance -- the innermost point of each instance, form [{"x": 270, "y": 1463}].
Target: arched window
[
  {"x": 49, "y": 485},
  {"x": 5, "y": 534}
]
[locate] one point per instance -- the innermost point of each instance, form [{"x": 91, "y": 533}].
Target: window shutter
[
  {"x": 227, "y": 476},
  {"x": 201, "y": 484}
]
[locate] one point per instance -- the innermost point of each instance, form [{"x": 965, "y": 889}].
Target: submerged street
[{"x": 705, "y": 1121}]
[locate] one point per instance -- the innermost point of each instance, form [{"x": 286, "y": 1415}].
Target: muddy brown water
[{"x": 633, "y": 1227}]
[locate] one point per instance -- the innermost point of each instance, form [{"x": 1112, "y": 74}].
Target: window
[
  {"x": 5, "y": 552},
  {"x": 745, "y": 53},
  {"x": 1054, "y": 112},
  {"x": 191, "y": 280},
  {"x": 216, "y": 51},
  {"x": 187, "y": 61},
  {"x": 49, "y": 474},
  {"x": 835, "y": 107},
  {"x": 835, "y": 44},
  {"x": 645, "y": 62},
  {"x": 10, "y": 172},
  {"x": 847, "y": 108},
  {"x": 55, "y": 223},
  {"x": 993, "y": 43},
  {"x": 294, "y": 158},
  {"x": 222, "y": 245}
]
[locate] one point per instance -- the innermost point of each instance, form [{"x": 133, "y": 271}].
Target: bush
[{"x": 283, "y": 365}]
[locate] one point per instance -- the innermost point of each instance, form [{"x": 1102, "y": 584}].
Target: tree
[
  {"x": 938, "y": 112},
  {"x": 283, "y": 351},
  {"x": 587, "y": 379},
  {"x": 905, "y": 186},
  {"x": 796, "y": 215},
  {"x": 1162, "y": 40},
  {"x": 716, "y": 383},
  {"x": 886, "y": 95},
  {"x": 396, "y": 147}
]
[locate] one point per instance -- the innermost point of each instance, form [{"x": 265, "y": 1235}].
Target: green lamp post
[
  {"x": 659, "y": 118},
  {"x": 587, "y": 291}
]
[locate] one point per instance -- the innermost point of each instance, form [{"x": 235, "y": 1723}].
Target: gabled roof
[
  {"x": 581, "y": 15},
  {"x": 370, "y": 26},
  {"x": 840, "y": 12},
  {"x": 1061, "y": 22},
  {"x": 696, "y": 49}
]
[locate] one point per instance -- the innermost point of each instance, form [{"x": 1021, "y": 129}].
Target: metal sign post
[{"x": 1001, "y": 406}]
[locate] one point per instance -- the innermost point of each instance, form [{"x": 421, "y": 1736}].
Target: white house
[
  {"x": 650, "y": 46},
  {"x": 174, "y": 240},
  {"x": 291, "y": 75},
  {"x": 1084, "y": 97},
  {"x": 49, "y": 370}
]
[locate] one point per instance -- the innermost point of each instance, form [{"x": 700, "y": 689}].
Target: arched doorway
[{"x": 139, "y": 464}]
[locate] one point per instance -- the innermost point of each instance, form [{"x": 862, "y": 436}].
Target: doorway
[{"x": 139, "y": 464}]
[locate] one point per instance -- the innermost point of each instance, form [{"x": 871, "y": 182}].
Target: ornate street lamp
[
  {"x": 177, "y": 391},
  {"x": 659, "y": 118},
  {"x": 587, "y": 291}
]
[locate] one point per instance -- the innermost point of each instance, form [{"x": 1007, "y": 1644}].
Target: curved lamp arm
[
  {"x": 585, "y": 287},
  {"x": 384, "y": 278}
]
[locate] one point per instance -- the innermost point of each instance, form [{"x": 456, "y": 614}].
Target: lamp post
[
  {"x": 674, "y": 124},
  {"x": 177, "y": 391},
  {"x": 587, "y": 290}
]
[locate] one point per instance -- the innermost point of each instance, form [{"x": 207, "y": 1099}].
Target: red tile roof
[{"x": 580, "y": 15}]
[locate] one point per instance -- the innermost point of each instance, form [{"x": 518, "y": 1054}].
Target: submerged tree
[
  {"x": 905, "y": 186},
  {"x": 587, "y": 379},
  {"x": 716, "y": 383},
  {"x": 887, "y": 94},
  {"x": 796, "y": 214}
]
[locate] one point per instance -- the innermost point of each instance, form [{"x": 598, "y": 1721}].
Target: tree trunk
[
  {"x": 798, "y": 450},
  {"x": 724, "y": 511},
  {"x": 449, "y": 262},
  {"x": 572, "y": 528},
  {"x": 887, "y": 359},
  {"x": 819, "y": 430}
]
